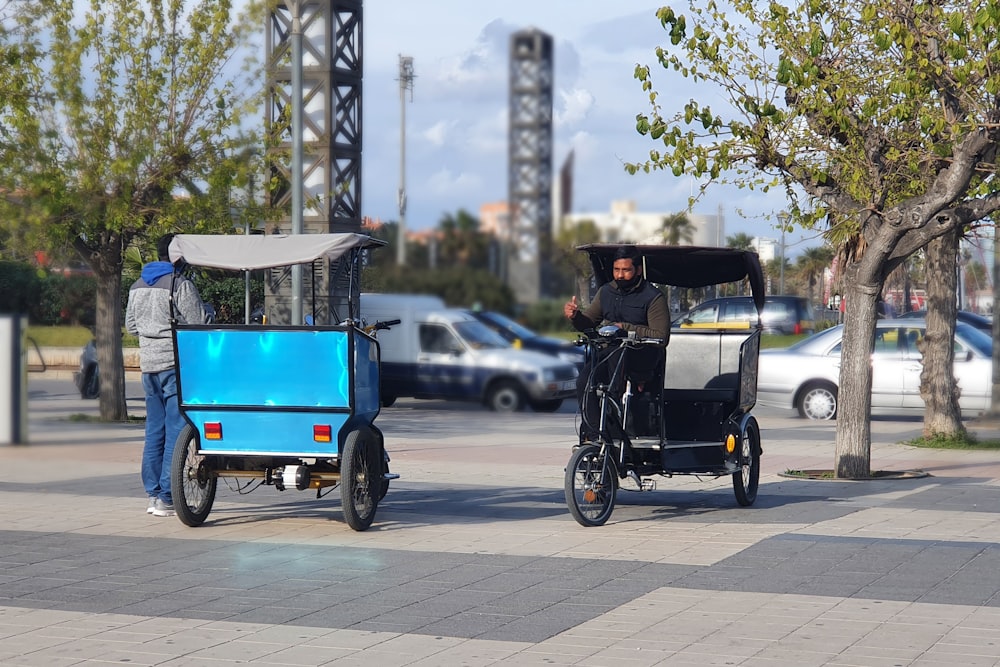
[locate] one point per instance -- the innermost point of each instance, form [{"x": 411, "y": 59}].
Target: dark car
[
  {"x": 978, "y": 321},
  {"x": 519, "y": 335},
  {"x": 782, "y": 315}
]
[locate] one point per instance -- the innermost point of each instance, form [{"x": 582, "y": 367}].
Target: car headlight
[{"x": 575, "y": 358}]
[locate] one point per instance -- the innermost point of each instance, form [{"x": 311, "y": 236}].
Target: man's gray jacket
[{"x": 147, "y": 314}]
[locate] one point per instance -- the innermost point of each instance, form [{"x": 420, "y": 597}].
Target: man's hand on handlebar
[{"x": 381, "y": 326}]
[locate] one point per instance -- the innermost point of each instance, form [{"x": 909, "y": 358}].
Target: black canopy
[{"x": 685, "y": 266}]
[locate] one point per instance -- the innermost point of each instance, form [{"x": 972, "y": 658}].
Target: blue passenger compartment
[{"x": 269, "y": 387}]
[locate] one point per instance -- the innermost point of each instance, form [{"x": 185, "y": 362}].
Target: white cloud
[
  {"x": 436, "y": 134},
  {"x": 575, "y": 105}
]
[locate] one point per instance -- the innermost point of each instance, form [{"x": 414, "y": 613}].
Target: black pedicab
[
  {"x": 288, "y": 406},
  {"x": 694, "y": 417}
]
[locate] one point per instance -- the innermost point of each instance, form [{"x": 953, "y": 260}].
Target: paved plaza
[{"x": 474, "y": 559}]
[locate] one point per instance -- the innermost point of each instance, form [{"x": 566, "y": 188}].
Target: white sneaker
[
  {"x": 161, "y": 508},
  {"x": 151, "y": 505}
]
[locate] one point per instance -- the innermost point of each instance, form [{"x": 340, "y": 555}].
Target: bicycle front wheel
[{"x": 591, "y": 484}]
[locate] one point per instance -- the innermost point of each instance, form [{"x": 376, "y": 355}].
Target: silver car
[{"x": 806, "y": 375}]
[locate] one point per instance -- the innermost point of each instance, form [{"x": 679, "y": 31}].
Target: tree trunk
[
  {"x": 995, "y": 396},
  {"x": 109, "y": 347},
  {"x": 938, "y": 389},
  {"x": 852, "y": 459}
]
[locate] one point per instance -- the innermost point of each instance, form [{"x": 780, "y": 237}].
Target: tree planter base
[{"x": 827, "y": 475}]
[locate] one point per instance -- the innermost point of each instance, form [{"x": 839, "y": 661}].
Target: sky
[{"x": 456, "y": 123}]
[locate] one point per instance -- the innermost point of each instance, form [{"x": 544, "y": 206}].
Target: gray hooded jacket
[{"x": 147, "y": 314}]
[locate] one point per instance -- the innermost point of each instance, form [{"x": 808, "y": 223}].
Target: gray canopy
[{"x": 264, "y": 251}]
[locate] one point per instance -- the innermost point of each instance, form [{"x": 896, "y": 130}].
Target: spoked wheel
[
  {"x": 745, "y": 479},
  {"x": 192, "y": 481},
  {"x": 591, "y": 484},
  {"x": 361, "y": 479}
]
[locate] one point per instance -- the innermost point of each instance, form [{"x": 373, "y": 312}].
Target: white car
[{"x": 806, "y": 375}]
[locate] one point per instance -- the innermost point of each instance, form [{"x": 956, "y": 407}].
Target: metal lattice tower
[
  {"x": 530, "y": 165},
  {"x": 331, "y": 76}
]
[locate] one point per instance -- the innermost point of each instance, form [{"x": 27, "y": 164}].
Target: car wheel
[
  {"x": 505, "y": 396},
  {"x": 818, "y": 401}
]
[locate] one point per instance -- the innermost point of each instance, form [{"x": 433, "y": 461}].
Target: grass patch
[
  {"x": 69, "y": 336},
  {"x": 810, "y": 474},
  {"x": 66, "y": 336},
  {"x": 776, "y": 341},
  {"x": 965, "y": 441},
  {"x": 94, "y": 419}
]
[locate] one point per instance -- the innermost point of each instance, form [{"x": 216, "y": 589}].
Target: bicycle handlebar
[
  {"x": 381, "y": 326},
  {"x": 627, "y": 340}
]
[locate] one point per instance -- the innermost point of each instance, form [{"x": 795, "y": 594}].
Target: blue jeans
[{"x": 163, "y": 425}]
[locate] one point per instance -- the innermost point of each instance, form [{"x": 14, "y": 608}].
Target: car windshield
[
  {"x": 976, "y": 338},
  {"x": 479, "y": 336},
  {"x": 510, "y": 325},
  {"x": 828, "y": 335}
]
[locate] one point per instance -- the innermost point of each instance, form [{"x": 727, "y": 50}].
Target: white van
[{"x": 440, "y": 352}]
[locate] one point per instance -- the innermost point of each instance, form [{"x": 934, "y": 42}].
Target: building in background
[{"x": 624, "y": 224}]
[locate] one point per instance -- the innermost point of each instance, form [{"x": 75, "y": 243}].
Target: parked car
[
  {"x": 439, "y": 352},
  {"x": 781, "y": 315},
  {"x": 806, "y": 375},
  {"x": 521, "y": 336},
  {"x": 978, "y": 321}
]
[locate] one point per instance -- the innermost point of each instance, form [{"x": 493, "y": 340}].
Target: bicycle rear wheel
[{"x": 591, "y": 485}]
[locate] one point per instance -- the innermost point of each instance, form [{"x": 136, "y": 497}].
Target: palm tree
[
  {"x": 812, "y": 264},
  {"x": 462, "y": 243},
  {"x": 677, "y": 228},
  {"x": 576, "y": 263},
  {"x": 740, "y": 241}
]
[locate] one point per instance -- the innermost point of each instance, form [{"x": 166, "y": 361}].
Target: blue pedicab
[
  {"x": 288, "y": 406},
  {"x": 694, "y": 417}
]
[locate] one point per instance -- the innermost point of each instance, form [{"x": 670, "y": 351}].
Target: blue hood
[{"x": 156, "y": 270}]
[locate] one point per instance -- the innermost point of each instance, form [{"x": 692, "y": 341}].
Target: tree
[
  {"x": 677, "y": 229},
  {"x": 565, "y": 254},
  {"x": 129, "y": 107},
  {"x": 462, "y": 243},
  {"x": 740, "y": 241},
  {"x": 813, "y": 263},
  {"x": 877, "y": 118},
  {"x": 937, "y": 382}
]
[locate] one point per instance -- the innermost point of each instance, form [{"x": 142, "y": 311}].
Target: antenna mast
[{"x": 406, "y": 77}]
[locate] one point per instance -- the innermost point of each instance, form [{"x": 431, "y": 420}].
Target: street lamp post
[{"x": 783, "y": 219}]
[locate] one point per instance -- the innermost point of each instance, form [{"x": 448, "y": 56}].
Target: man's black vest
[{"x": 618, "y": 306}]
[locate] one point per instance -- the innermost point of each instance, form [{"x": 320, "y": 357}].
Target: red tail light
[
  {"x": 322, "y": 433},
  {"x": 213, "y": 430}
]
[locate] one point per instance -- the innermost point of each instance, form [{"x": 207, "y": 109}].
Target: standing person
[
  {"x": 160, "y": 296},
  {"x": 633, "y": 304}
]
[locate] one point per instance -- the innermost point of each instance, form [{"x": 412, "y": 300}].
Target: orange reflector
[
  {"x": 589, "y": 496},
  {"x": 213, "y": 430},
  {"x": 322, "y": 432},
  {"x": 730, "y": 443}
]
